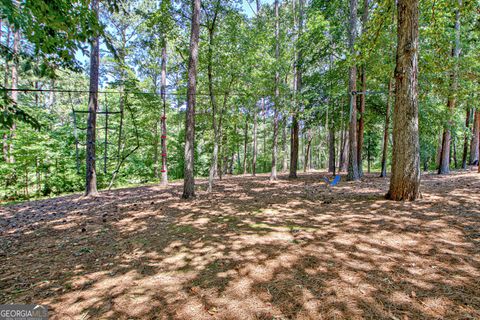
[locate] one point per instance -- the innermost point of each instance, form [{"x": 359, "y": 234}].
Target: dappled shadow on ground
[{"x": 252, "y": 249}]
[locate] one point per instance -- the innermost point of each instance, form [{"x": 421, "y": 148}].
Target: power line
[{"x": 135, "y": 92}]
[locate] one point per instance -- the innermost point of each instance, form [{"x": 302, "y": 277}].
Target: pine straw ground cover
[{"x": 250, "y": 250}]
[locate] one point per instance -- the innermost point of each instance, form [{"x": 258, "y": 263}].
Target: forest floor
[{"x": 252, "y": 249}]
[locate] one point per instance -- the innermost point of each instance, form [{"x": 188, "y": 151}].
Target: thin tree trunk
[
  {"x": 224, "y": 154},
  {"x": 297, "y": 82},
  {"x": 7, "y": 65},
  {"x": 232, "y": 163},
  {"x": 189, "y": 180},
  {"x": 284, "y": 147},
  {"x": 91, "y": 174},
  {"x": 5, "y": 147},
  {"x": 163, "y": 92},
  {"x": 14, "y": 95},
  {"x": 383, "y": 173},
  {"x": 331, "y": 147},
  {"x": 213, "y": 103},
  {"x": 455, "y": 162},
  {"x": 255, "y": 116},
  {"x": 26, "y": 182},
  {"x": 439, "y": 149},
  {"x": 345, "y": 151},
  {"x": 273, "y": 175},
  {"x": 405, "y": 178},
  {"x": 444, "y": 166},
  {"x": 474, "y": 143},
  {"x": 363, "y": 77},
  {"x": 369, "y": 156},
  {"x": 38, "y": 176},
  {"x": 294, "y": 147},
  {"x": 478, "y": 150},
  {"x": 297, "y": 86},
  {"x": 264, "y": 137},
  {"x": 245, "y": 144},
  {"x": 361, "y": 122},
  {"x": 341, "y": 155},
  {"x": 155, "y": 150},
  {"x": 221, "y": 144},
  {"x": 309, "y": 137},
  {"x": 465, "y": 140},
  {"x": 5, "y": 83},
  {"x": 352, "y": 87}
]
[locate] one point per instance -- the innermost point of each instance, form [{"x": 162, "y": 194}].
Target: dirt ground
[{"x": 252, "y": 249}]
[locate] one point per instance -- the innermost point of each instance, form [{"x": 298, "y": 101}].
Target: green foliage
[{"x": 242, "y": 56}]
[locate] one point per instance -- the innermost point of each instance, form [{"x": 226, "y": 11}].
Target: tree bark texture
[
  {"x": 189, "y": 156},
  {"x": 352, "y": 171},
  {"x": 405, "y": 178},
  {"x": 383, "y": 173},
  {"x": 91, "y": 172}
]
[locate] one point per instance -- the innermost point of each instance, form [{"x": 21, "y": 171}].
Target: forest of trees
[{"x": 113, "y": 93}]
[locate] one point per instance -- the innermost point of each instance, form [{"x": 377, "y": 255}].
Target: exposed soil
[{"x": 252, "y": 249}]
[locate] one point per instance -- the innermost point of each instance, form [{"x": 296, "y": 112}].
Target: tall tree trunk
[
  {"x": 474, "y": 143},
  {"x": 213, "y": 104},
  {"x": 478, "y": 150},
  {"x": 189, "y": 180},
  {"x": 345, "y": 152},
  {"x": 156, "y": 134},
  {"x": 163, "y": 93},
  {"x": 294, "y": 147},
  {"x": 444, "y": 166},
  {"x": 363, "y": 77},
  {"x": 254, "y": 147},
  {"x": 273, "y": 175},
  {"x": 5, "y": 147},
  {"x": 405, "y": 178},
  {"x": 155, "y": 150},
  {"x": 297, "y": 86},
  {"x": 309, "y": 137},
  {"x": 245, "y": 144},
  {"x": 237, "y": 147},
  {"x": 91, "y": 173},
  {"x": 352, "y": 87},
  {"x": 383, "y": 173},
  {"x": 455, "y": 162},
  {"x": 5, "y": 135},
  {"x": 38, "y": 176},
  {"x": 361, "y": 122},
  {"x": 331, "y": 147},
  {"x": 7, "y": 65},
  {"x": 439, "y": 150},
  {"x": 284, "y": 147},
  {"x": 341, "y": 149},
  {"x": 224, "y": 149},
  {"x": 221, "y": 141},
  {"x": 14, "y": 95},
  {"x": 264, "y": 162},
  {"x": 232, "y": 163},
  {"x": 465, "y": 140},
  {"x": 369, "y": 157},
  {"x": 294, "y": 128}
]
